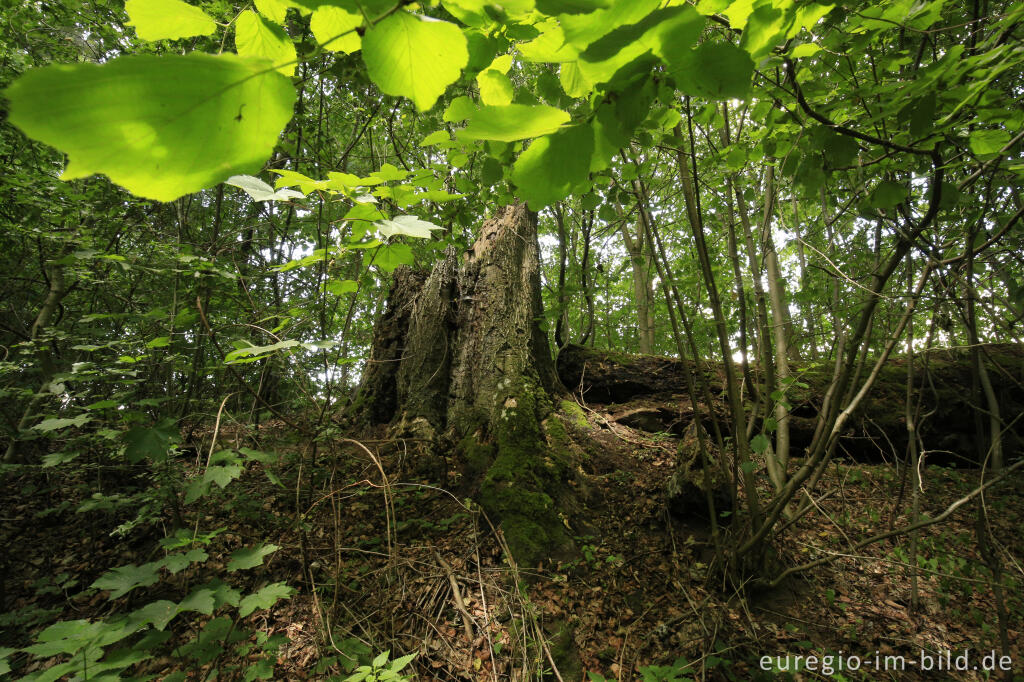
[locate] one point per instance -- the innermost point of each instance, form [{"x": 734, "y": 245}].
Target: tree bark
[{"x": 460, "y": 361}]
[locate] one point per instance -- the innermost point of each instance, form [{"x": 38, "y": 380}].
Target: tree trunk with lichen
[{"x": 461, "y": 363}]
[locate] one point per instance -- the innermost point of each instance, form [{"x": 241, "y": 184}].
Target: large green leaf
[
  {"x": 123, "y": 579},
  {"x": 582, "y": 29},
  {"x": 335, "y": 29},
  {"x": 415, "y": 57},
  {"x": 714, "y": 70},
  {"x": 985, "y": 142},
  {"x": 513, "y": 122},
  {"x": 161, "y": 126},
  {"x": 552, "y": 7},
  {"x": 250, "y": 557},
  {"x": 265, "y": 598},
  {"x": 167, "y": 19},
  {"x": 553, "y": 165},
  {"x": 257, "y": 37}
]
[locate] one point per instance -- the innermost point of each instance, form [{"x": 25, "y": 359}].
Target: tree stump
[{"x": 460, "y": 361}]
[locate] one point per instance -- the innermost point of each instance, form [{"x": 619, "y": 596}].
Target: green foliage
[
  {"x": 168, "y": 19},
  {"x": 381, "y": 669},
  {"x": 160, "y": 126},
  {"x": 415, "y": 57}
]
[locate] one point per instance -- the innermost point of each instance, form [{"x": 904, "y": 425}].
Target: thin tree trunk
[{"x": 58, "y": 289}]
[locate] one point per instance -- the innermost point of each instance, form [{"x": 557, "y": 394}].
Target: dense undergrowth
[{"x": 263, "y": 557}]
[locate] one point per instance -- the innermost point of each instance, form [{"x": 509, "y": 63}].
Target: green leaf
[
  {"x": 759, "y": 443},
  {"x": 149, "y": 442},
  {"x": 513, "y": 122},
  {"x": 381, "y": 659},
  {"x": 553, "y": 7},
  {"x": 265, "y": 598},
  {"x": 201, "y": 600},
  {"x": 581, "y": 30},
  {"x": 261, "y": 191},
  {"x": 159, "y": 613},
  {"x": 4, "y": 653},
  {"x": 714, "y": 70},
  {"x": 407, "y": 225},
  {"x": 550, "y": 46},
  {"x": 180, "y": 561},
  {"x": 390, "y": 256},
  {"x": 495, "y": 87},
  {"x": 342, "y": 287},
  {"x": 57, "y": 423},
  {"x": 887, "y": 195},
  {"x": 255, "y": 352},
  {"x": 250, "y": 557},
  {"x": 221, "y": 475},
  {"x": 399, "y": 663},
  {"x": 257, "y": 37},
  {"x": 275, "y": 10},
  {"x": 553, "y": 165},
  {"x": 123, "y": 579},
  {"x": 985, "y": 142},
  {"x": 804, "y": 50},
  {"x": 436, "y": 137},
  {"x": 167, "y": 19},
  {"x": 415, "y": 57},
  {"x": 459, "y": 109},
  {"x": 335, "y": 29},
  {"x": 766, "y": 27},
  {"x": 161, "y": 126}
]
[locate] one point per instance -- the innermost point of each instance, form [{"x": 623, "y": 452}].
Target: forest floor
[{"x": 385, "y": 558}]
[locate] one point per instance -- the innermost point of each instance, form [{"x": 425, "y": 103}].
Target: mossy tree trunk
[{"x": 460, "y": 360}]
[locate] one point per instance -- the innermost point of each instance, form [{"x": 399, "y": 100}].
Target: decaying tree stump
[{"x": 460, "y": 361}]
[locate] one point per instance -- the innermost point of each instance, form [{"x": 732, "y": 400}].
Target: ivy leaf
[
  {"x": 513, "y": 122},
  {"x": 257, "y": 37},
  {"x": 261, "y": 191},
  {"x": 161, "y": 126},
  {"x": 407, "y": 225},
  {"x": 124, "y": 579},
  {"x": 335, "y": 29},
  {"x": 250, "y": 557},
  {"x": 553, "y": 165},
  {"x": 265, "y": 598},
  {"x": 415, "y": 57},
  {"x": 167, "y": 19}
]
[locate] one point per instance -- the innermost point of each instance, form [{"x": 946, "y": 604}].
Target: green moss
[
  {"x": 526, "y": 476},
  {"x": 574, "y": 414},
  {"x": 563, "y": 651},
  {"x": 477, "y": 456}
]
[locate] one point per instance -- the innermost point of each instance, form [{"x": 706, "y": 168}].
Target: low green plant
[{"x": 382, "y": 669}]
